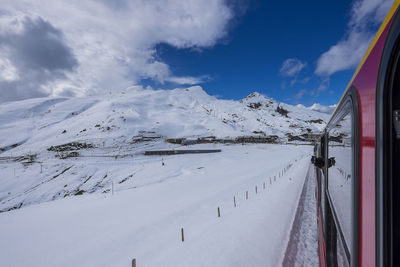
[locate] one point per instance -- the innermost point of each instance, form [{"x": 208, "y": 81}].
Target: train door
[
  {"x": 387, "y": 148},
  {"x": 395, "y": 159},
  {"x": 341, "y": 178}
]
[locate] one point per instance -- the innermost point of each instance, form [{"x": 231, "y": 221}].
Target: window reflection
[
  {"x": 341, "y": 254},
  {"x": 340, "y": 176}
]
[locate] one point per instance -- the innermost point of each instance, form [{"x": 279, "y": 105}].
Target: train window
[
  {"x": 341, "y": 253},
  {"x": 322, "y": 176},
  {"x": 340, "y": 176}
]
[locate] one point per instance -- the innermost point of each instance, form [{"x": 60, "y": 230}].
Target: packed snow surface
[{"x": 302, "y": 249}]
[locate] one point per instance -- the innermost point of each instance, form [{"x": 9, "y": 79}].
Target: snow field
[{"x": 144, "y": 217}]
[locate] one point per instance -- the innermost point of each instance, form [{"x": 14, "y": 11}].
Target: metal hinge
[{"x": 396, "y": 122}]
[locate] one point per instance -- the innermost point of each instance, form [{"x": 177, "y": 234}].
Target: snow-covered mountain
[
  {"x": 52, "y": 148},
  {"x": 37, "y": 124},
  {"x": 72, "y": 170}
]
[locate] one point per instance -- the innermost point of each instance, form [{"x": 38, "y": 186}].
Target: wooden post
[
  {"x": 256, "y": 189},
  {"x": 264, "y": 185},
  {"x": 247, "y": 195},
  {"x": 182, "y": 234},
  {"x": 234, "y": 201},
  {"x": 219, "y": 212},
  {"x": 134, "y": 262}
]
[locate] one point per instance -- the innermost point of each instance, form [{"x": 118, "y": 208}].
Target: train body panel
[
  {"x": 365, "y": 85},
  {"x": 363, "y": 249}
]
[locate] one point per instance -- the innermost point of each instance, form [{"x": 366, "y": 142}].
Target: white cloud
[
  {"x": 188, "y": 80},
  {"x": 291, "y": 67},
  {"x": 324, "y": 84},
  {"x": 113, "y": 42},
  {"x": 348, "y": 52},
  {"x": 8, "y": 72},
  {"x": 324, "y": 109},
  {"x": 366, "y": 10},
  {"x": 300, "y": 93}
]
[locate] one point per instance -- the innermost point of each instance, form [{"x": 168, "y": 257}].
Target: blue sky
[
  {"x": 294, "y": 51},
  {"x": 270, "y": 32}
]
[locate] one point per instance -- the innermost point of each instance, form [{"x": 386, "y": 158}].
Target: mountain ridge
[{"x": 178, "y": 113}]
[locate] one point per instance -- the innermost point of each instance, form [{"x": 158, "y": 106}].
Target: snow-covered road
[{"x": 143, "y": 220}]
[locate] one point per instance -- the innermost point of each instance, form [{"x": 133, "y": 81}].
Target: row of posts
[{"x": 281, "y": 173}]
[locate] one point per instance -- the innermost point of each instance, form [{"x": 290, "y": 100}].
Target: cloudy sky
[{"x": 295, "y": 52}]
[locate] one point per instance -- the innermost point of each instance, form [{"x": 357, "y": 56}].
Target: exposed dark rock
[
  {"x": 282, "y": 111},
  {"x": 320, "y": 121},
  {"x": 70, "y": 146},
  {"x": 254, "y": 105},
  {"x": 79, "y": 192},
  {"x": 259, "y": 132}
]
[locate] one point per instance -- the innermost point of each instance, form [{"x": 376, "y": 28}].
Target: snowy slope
[
  {"x": 109, "y": 203},
  {"x": 108, "y": 127},
  {"x": 144, "y": 216},
  {"x": 40, "y": 123}
]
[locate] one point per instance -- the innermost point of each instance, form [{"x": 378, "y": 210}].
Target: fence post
[
  {"x": 264, "y": 185},
  {"x": 182, "y": 234},
  {"x": 247, "y": 195},
  {"x": 134, "y": 262},
  {"x": 219, "y": 212},
  {"x": 256, "y": 189},
  {"x": 234, "y": 201}
]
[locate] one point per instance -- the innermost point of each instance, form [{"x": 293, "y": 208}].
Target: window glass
[
  {"x": 341, "y": 254},
  {"x": 340, "y": 176},
  {"x": 322, "y": 175}
]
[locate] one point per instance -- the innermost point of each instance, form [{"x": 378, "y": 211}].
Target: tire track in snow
[{"x": 303, "y": 243}]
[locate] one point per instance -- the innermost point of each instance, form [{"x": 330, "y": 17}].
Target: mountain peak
[{"x": 255, "y": 97}]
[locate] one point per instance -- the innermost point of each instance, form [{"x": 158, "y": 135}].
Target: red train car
[{"x": 358, "y": 186}]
